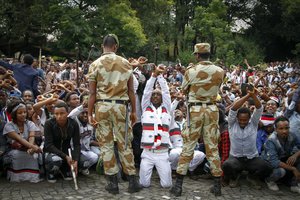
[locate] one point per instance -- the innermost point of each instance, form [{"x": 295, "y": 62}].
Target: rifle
[
  {"x": 126, "y": 127},
  {"x": 73, "y": 171}
]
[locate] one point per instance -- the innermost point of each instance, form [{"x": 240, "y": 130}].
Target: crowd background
[{"x": 277, "y": 87}]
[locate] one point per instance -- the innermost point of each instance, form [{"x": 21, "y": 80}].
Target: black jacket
[{"x": 57, "y": 140}]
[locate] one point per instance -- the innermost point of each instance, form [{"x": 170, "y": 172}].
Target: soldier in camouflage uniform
[
  {"x": 111, "y": 86},
  {"x": 201, "y": 85}
]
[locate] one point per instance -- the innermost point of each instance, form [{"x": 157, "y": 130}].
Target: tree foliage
[
  {"x": 61, "y": 27},
  {"x": 273, "y": 25}
]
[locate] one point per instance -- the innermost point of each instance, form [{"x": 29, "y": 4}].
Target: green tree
[
  {"x": 211, "y": 25},
  {"x": 67, "y": 22},
  {"x": 158, "y": 24},
  {"x": 21, "y": 25},
  {"x": 121, "y": 19},
  {"x": 89, "y": 22},
  {"x": 273, "y": 24}
]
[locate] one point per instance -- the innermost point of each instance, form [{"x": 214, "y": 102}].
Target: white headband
[{"x": 21, "y": 105}]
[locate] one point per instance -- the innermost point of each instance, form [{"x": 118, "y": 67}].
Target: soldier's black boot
[
  {"x": 134, "y": 185},
  {"x": 216, "y": 188},
  {"x": 176, "y": 190},
  {"x": 112, "y": 184}
]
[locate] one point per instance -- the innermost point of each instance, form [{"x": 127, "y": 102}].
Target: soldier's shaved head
[{"x": 110, "y": 41}]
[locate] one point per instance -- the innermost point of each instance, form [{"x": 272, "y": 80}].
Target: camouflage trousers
[
  {"x": 203, "y": 123},
  {"x": 111, "y": 129}
]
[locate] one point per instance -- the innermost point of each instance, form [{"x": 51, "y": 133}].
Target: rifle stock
[
  {"x": 73, "y": 171},
  {"x": 126, "y": 127},
  {"x": 188, "y": 112}
]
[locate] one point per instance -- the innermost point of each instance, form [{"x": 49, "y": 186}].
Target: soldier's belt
[
  {"x": 200, "y": 104},
  {"x": 112, "y": 101}
]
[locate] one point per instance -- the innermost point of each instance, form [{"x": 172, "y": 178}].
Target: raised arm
[
  {"x": 240, "y": 102},
  {"x": 38, "y": 106},
  {"x": 147, "y": 93},
  {"x": 257, "y": 102},
  {"x": 166, "y": 98},
  {"x": 256, "y": 115},
  {"x": 247, "y": 64},
  {"x": 174, "y": 106},
  {"x": 75, "y": 112}
]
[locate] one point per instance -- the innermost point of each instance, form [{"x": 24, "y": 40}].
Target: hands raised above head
[
  {"x": 49, "y": 97},
  {"x": 160, "y": 69},
  {"x": 251, "y": 90},
  {"x": 8, "y": 83}
]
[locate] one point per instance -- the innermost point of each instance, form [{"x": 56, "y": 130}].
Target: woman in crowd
[{"x": 23, "y": 164}]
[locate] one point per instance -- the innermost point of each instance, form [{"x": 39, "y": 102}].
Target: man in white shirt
[
  {"x": 156, "y": 119},
  {"x": 243, "y": 151}
]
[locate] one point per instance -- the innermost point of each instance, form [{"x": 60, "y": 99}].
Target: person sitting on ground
[
  {"x": 59, "y": 132},
  {"x": 272, "y": 106},
  {"x": 177, "y": 140},
  {"x": 3, "y": 145},
  {"x": 243, "y": 152},
  {"x": 21, "y": 158},
  {"x": 3, "y": 101},
  {"x": 224, "y": 144},
  {"x": 293, "y": 113},
  {"x": 282, "y": 151},
  {"x": 32, "y": 116},
  {"x": 44, "y": 107},
  {"x": 265, "y": 129},
  {"x": 72, "y": 99},
  {"x": 87, "y": 157},
  {"x": 156, "y": 106}
]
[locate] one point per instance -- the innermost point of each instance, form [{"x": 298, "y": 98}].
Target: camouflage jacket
[
  {"x": 111, "y": 73},
  {"x": 202, "y": 82}
]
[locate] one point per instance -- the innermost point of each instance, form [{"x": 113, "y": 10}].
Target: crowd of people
[{"x": 131, "y": 114}]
